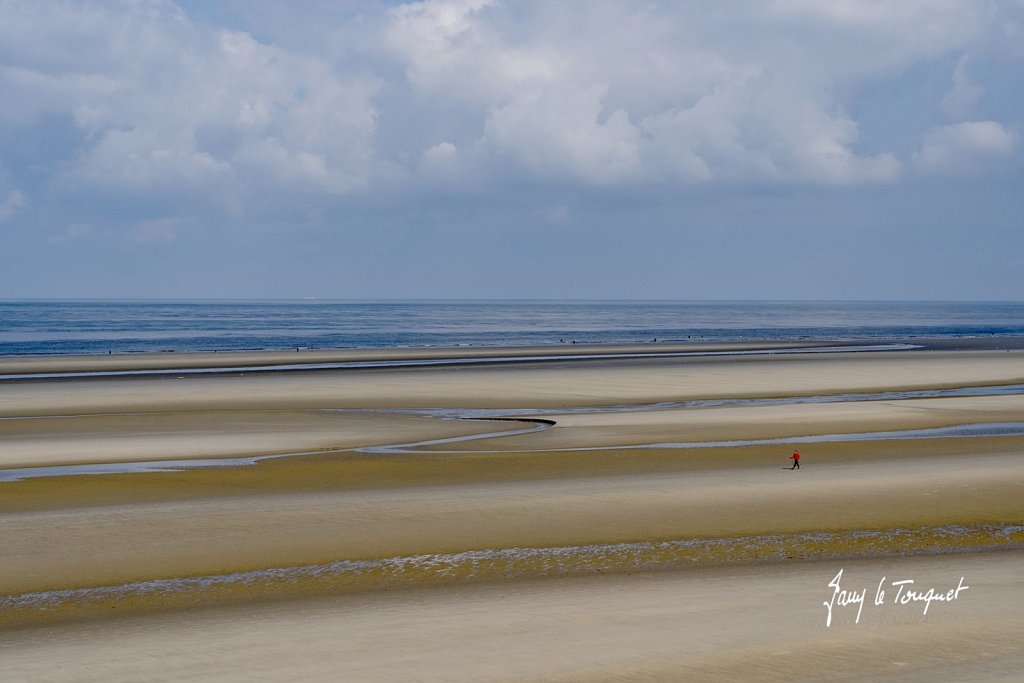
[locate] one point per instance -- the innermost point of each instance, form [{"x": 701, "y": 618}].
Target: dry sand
[
  {"x": 753, "y": 422},
  {"x": 547, "y": 385},
  {"x": 493, "y": 496}
]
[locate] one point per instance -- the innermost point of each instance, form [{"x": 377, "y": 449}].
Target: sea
[{"x": 51, "y": 327}]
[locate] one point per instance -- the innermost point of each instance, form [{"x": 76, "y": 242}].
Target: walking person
[{"x": 796, "y": 460}]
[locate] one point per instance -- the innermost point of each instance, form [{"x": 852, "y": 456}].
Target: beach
[
  {"x": 620, "y": 512},
  {"x": 473, "y": 341}
]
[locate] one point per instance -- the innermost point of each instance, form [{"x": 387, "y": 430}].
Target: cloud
[
  {"x": 222, "y": 115},
  {"x": 436, "y": 38},
  {"x": 760, "y": 130},
  {"x": 440, "y": 162},
  {"x": 168, "y": 106},
  {"x": 562, "y": 133},
  {"x": 962, "y": 99},
  {"x": 14, "y": 202},
  {"x": 857, "y": 38},
  {"x": 154, "y": 232},
  {"x": 140, "y": 160},
  {"x": 558, "y": 214},
  {"x": 628, "y": 93},
  {"x": 964, "y": 147},
  {"x": 75, "y": 232}
]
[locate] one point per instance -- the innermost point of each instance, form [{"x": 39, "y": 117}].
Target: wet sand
[
  {"x": 764, "y": 623},
  {"x": 168, "y": 362},
  {"x": 122, "y": 543},
  {"x": 368, "y": 522}
]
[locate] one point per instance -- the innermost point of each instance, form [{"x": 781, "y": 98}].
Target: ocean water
[{"x": 68, "y": 327}]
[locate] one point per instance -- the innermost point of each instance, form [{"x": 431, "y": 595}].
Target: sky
[{"x": 784, "y": 149}]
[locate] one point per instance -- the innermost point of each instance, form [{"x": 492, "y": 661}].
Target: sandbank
[
  {"x": 122, "y": 543},
  {"x": 544, "y": 385},
  {"x": 762, "y": 623},
  {"x": 335, "y": 499}
]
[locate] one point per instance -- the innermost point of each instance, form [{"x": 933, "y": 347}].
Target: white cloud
[
  {"x": 436, "y": 38},
  {"x": 74, "y": 232},
  {"x": 154, "y": 232},
  {"x": 14, "y": 202},
  {"x": 962, "y": 99},
  {"x": 756, "y": 130},
  {"x": 860, "y": 37},
  {"x": 559, "y": 214},
  {"x": 143, "y": 160},
  {"x": 169, "y": 106},
  {"x": 439, "y": 161},
  {"x": 964, "y": 147},
  {"x": 560, "y": 133},
  {"x": 473, "y": 94},
  {"x": 628, "y": 93}
]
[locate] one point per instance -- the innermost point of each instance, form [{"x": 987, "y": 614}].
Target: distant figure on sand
[{"x": 796, "y": 460}]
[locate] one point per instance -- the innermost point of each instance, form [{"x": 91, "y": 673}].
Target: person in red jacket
[{"x": 796, "y": 460}]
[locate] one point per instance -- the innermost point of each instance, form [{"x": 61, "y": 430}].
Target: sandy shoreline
[
  {"x": 220, "y": 359},
  {"x": 565, "y": 384},
  {"x": 516, "y": 496},
  {"x": 14, "y": 365}
]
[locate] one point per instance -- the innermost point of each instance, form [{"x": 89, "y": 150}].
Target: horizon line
[{"x": 426, "y": 300}]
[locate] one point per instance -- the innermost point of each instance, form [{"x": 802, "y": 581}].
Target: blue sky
[{"x": 791, "y": 149}]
